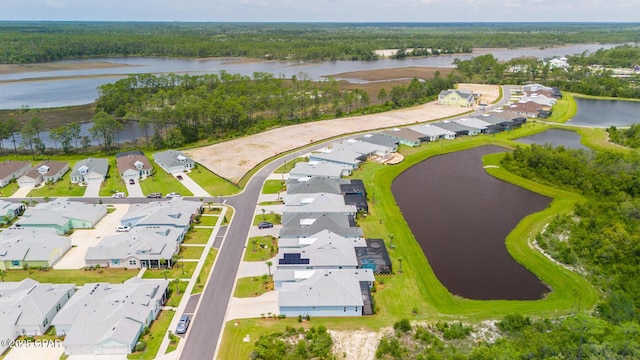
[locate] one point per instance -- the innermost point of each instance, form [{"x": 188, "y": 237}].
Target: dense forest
[
  {"x": 629, "y": 137},
  {"x": 33, "y": 42}
]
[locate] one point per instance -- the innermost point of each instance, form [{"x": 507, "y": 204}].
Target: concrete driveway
[
  {"x": 21, "y": 192},
  {"x": 93, "y": 189},
  {"x": 82, "y": 239},
  {"x": 134, "y": 190},
  {"x": 188, "y": 182},
  {"x": 50, "y": 351}
]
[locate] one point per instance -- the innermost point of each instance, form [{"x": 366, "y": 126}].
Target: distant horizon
[
  {"x": 324, "y": 11},
  {"x": 328, "y": 22}
]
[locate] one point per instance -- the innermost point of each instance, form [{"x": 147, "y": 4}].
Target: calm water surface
[
  {"x": 555, "y": 137},
  {"x": 461, "y": 216},
  {"x": 40, "y": 93},
  {"x": 606, "y": 113}
]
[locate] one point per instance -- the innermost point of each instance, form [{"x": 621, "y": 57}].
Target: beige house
[
  {"x": 46, "y": 171},
  {"x": 10, "y": 170},
  {"x": 462, "y": 98},
  {"x": 133, "y": 165}
]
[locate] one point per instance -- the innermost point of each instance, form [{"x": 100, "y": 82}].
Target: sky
[{"x": 324, "y": 10}]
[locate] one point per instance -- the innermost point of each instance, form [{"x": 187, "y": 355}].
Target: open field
[{"x": 243, "y": 154}]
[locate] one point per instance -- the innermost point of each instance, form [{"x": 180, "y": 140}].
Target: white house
[
  {"x": 47, "y": 171},
  {"x": 107, "y": 319},
  {"x": 173, "y": 161},
  {"x": 434, "y": 132},
  {"x": 28, "y": 307},
  {"x": 326, "y": 169},
  {"x": 90, "y": 170},
  {"x": 33, "y": 248},
  {"x": 10, "y": 170}
]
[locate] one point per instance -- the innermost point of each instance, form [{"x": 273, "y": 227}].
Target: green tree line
[{"x": 33, "y": 42}]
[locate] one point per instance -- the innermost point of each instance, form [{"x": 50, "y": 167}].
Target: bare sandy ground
[
  {"x": 357, "y": 345},
  {"x": 233, "y": 159},
  {"x": 53, "y": 66}
]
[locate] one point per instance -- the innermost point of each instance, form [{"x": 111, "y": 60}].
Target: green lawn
[
  {"x": 176, "y": 296},
  {"x": 212, "y": 183},
  {"x": 173, "y": 273},
  {"x": 61, "y": 188},
  {"x": 78, "y": 277},
  {"x": 564, "y": 109},
  {"x": 163, "y": 183},
  {"x": 157, "y": 333},
  {"x": 191, "y": 252},
  {"x": 198, "y": 236},
  {"x": 253, "y": 286},
  {"x": 273, "y": 187},
  {"x": 9, "y": 189},
  {"x": 204, "y": 273},
  {"x": 113, "y": 183},
  {"x": 207, "y": 221},
  {"x": 259, "y": 248},
  {"x": 267, "y": 216}
]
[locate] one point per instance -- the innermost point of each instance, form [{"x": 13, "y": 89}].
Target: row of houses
[
  {"x": 155, "y": 232},
  {"x": 324, "y": 266},
  {"x": 96, "y": 319},
  {"x": 131, "y": 165},
  {"x": 534, "y": 100}
]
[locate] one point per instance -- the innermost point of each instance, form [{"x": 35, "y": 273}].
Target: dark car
[
  {"x": 183, "y": 324},
  {"x": 155, "y": 196},
  {"x": 264, "y": 225},
  {"x": 179, "y": 177},
  {"x": 131, "y": 181}
]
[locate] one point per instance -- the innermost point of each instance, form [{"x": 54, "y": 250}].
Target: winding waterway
[
  {"x": 461, "y": 217},
  {"x": 55, "y": 88}
]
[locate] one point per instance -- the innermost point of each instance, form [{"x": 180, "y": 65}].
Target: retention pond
[{"x": 461, "y": 216}]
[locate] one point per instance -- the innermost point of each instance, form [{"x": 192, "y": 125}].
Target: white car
[
  {"x": 122, "y": 228},
  {"x": 119, "y": 195},
  {"x": 173, "y": 194}
]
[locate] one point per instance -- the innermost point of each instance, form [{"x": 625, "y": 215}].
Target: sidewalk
[{"x": 187, "y": 294}]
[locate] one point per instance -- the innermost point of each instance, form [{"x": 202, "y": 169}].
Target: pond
[
  {"x": 606, "y": 113},
  {"x": 555, "y": 137},
  {"x": 461, "y": 217}
]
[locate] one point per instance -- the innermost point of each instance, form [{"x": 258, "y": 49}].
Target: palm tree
[
  {"x": 263, "y": 211},
  {"x": 269, "y": 263},
  {"x": 400, "y": 261}
]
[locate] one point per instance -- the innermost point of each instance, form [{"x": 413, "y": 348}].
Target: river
[{"x": 43, "y": 89}]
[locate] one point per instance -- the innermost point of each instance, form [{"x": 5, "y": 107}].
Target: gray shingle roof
[
  {"x": 93, "y": 165},
  {"x": 314, "y": 185},
  {"x": 170, "y": 158},
  {"x": 323, "y": 288}
]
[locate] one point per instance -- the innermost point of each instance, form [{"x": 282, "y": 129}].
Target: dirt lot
[
  {"x": 53, "y": 66},
  {"x": 241, "y": 155}
]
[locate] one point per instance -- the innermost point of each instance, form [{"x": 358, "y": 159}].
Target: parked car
[
  {"x": 173, "y": 194},
  {"x": 265, "y": 225},
  {"x": 179, "y": 177},
  {"x": 132, "y": 182},
  {"x": 119, "y": 195},
  {"x": 155, "y": 196},
  {"x": 183, "y": 324},
  {"x": 122, "y": 228}
]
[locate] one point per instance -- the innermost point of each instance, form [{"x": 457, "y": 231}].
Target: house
[
  {"x": 294, "y": 276},
  {"x": 374, "y": 256},
  {"x": 177, "y": 213},
  {"x": 152, "y": 247},
  {"x": 325, "y": 293},
  {"x": 324, "y": 253},
  {"x": 11, "y": 170},
  {"x": 326, "y": 169},
  {"x": 173, "y": 161},
  {"x": 380, "y": 139},
  {"x": 317, "y": 203},
  {"x": 346, "y": 158},
  {"x": 457, "y": 128},
  {"x": 528, "y": 109},
  {"x": 314, "y": 185},
  {"x": 476, "y": 123},
  {"x": 63, "y": 215},
  {"x": 462, "y": 98},
  {"x": 31, "y": 248},
  {"x": 10, "y": 210},
  {"x": 434, "y": 133},
  {"x": 133, "y": 165},
  {"x": 303, "y": 225},
  {"x": 103, "y": 318},
  {"x": 90, "y": 170},
  {"x": 539, "y": 99},
  {"x": 28, "y": 307},
  {"x": 406, "y": 136},
  {"x": 47, "y": 171},
  {"x": 297, "y": 243},
  {"x": 353, "y": 186},
  {"x": 529, "y": 88}
]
